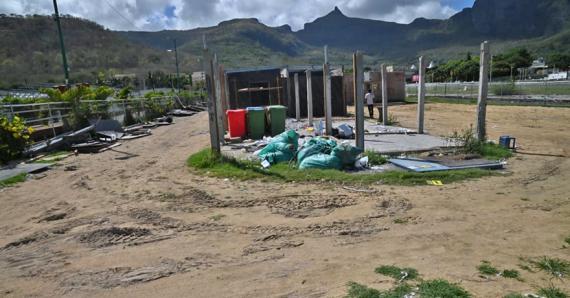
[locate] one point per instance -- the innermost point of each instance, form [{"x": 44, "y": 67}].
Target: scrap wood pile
[{"x": 100, "y": 136}]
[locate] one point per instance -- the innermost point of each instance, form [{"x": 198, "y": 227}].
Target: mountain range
[{"x": 31, "y": 42}]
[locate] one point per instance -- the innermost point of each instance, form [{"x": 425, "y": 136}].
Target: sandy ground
[{"x": 138, "y": 223}]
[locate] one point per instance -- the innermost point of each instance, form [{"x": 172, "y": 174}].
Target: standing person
[{"x": 369, "y": 97}]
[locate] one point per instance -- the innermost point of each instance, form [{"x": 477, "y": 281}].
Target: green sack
[
  {"x": 347, "y": 154},
  {"x": 321, "y": 161},
  {"x": 315, "y": 146},
  {"x": 277, "y": 152},
  {"x": 289, "y": 137}
]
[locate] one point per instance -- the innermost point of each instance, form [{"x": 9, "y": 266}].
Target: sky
[{"x": 155, "y": 15}]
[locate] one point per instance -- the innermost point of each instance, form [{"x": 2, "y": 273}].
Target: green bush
[
  {"x": 469, "y": 144},
  {"x": 14, "y": 136}
]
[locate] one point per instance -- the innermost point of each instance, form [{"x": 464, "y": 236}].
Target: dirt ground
[{"x": 136, "y": 222}]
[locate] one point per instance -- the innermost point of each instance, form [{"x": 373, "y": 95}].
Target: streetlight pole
[
  {"x": 63, "y": 56},
  {"x": 177, "y": 71}
]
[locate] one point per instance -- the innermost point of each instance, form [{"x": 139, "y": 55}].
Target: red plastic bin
[{"x": 236, "y": 123}]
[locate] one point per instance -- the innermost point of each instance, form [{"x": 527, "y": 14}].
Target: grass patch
[
  {"x": 552, "y": 292},
  {"x": 470, "y": 144},
  {"x": 490, "y": 102},
  {"x": 442, "y": 289},
  {"x": 375, "y": 159},
  {"x": 401, "y": 221},
  {"x": 397, "y": 273},
  {"x": 513, "y": 295},
  {"x": 511, "y": 273},
  {"x": 487, "y": 269},
  {"x": 556, "y": 267},
  {"x": 53, "y": 157},
  {"x": 356, "y": 290},
  {"x": 13, "y": 180},
  {"x": 224, "y": 167}
]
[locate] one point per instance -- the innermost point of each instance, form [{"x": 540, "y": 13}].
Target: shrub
[{"x": 14, "y": 136}]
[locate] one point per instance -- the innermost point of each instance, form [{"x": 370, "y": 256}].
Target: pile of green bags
[
  {"x": 317, "y": 153},
  {"x": 282, "y": 148}
]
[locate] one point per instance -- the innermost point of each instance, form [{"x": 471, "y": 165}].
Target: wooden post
[
  {"x": 208, "y": 66},
  {"x": 297, "y": 99},
  {"x": 358, "y": 75},
  {"x": 483, "y": 91},
  {"x": 384, "y": 75},
  {"x": 309, "y": 97},
  {"x": 223, "y": 93},
  {"x": 421, "y": 95},
  {"x": 218, "y": 93},
  {"x": 228, "y": 104},
  {"x": 327, "y": 96}
]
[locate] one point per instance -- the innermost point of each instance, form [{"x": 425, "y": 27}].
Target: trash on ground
[
  {"x": 434, "y": 182},
  {"x": 421, "y": 165}
]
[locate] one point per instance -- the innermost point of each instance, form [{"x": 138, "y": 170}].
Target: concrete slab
[{"x": 401, "y": 143}]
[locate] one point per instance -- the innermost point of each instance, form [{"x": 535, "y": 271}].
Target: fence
[
  {"x": 470, "y": 89},
  {"x": 56, "y": 117}
]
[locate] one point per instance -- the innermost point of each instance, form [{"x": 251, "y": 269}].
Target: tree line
[{"x": 506, "y": 64}]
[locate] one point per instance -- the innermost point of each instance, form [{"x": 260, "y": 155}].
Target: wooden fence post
[
  {"x": 327, "y": 96},
  {"x": 309, "y": 97},
  {"x": 208, "y": 66},
  {"x": 384, "y": 75},
  {"x": 358, "y": 81},
  {"x": 421, "y": 94},
  {"x": 297, "y": 99},
  {"x": 483, "y": 91},
  {"x": 218, "y": 93}
]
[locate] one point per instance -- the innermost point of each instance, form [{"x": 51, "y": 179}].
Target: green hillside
[{"x": 30, "y": 51}]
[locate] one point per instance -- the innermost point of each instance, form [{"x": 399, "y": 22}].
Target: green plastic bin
[
  {"x": 255, "y": 123},
  {"x": 276, "y": 116}
]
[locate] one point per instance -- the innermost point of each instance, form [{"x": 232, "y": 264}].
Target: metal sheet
[
  {"x": 418, "y": 165},
  {"x": 6, "y": 173}
]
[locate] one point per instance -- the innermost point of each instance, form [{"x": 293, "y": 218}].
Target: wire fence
[
  {"x": 54, "y": 117},
  {"x": 504, "y": 89}
]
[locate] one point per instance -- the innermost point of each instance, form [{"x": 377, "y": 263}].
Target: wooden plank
[
  {"x": 218, "y": 97},
  {"x": 421, "y": 94},
  {"x": 297, "y": 99},
  {"x": 358, "y": 73},
  {"x": 310, "y": 97},
  {"x": 212, "y": 118},
  {"x": 384, "y": 75},
  {"x": 483, "y": 91}
]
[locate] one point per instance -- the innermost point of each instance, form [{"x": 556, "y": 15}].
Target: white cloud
[{"x": 149, "y": 14}]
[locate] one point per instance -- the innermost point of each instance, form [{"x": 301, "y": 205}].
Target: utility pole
[
  {"x": 61, "y": 44},
  {"x": 177, "y": 72}
]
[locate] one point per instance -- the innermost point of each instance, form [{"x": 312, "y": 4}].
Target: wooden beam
[
  {"x": 218, "y": 95},
  {"x": 421, "y": 94},
  {"x": 309, "y": 97},
  {"x": 483, "y": 91},
  {"x": 358, "y": 75},
  {"x": 208, "y": 66},
  {"x": 327, "y": 96},
  {"x": 297, "y": 99},
  {"x": 384, "y": 75}
]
